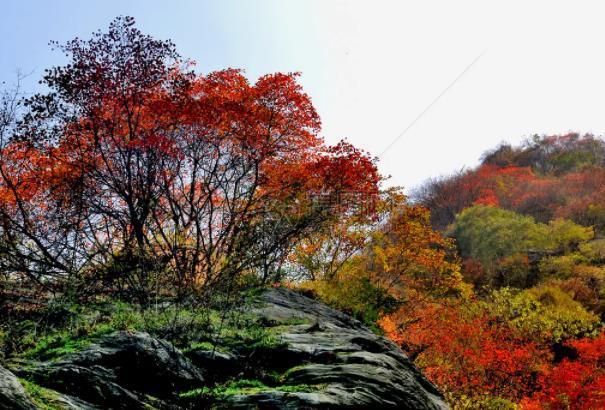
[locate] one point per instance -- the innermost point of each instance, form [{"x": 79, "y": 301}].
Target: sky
[{"x": 425, "y": 86}]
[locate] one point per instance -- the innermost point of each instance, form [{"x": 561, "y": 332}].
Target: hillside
[
  {"x": 550, "y": 177},
  {"x": 527, "y": 224},
  {"x": 287, "y": 352}
]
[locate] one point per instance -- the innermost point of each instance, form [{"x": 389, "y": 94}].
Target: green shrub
[
  {"x": 544, "y": 313},
  {"x": 355, "y": 294},
  {"x": 561, "y": 267},
  {"x": 246, "y": 386},
  {"x": 480, "y": 403}
]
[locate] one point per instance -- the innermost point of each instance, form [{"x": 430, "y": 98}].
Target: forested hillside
[
  {"x": 493, "y": 278},
  {"x": 139, "y": 195},
  {"x": 528, "y": 224}
]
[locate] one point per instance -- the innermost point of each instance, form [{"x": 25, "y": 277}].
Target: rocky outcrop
[
  {"x": 317, "y": 358},
  {"x": 12, "y": 393},
  {"x": 122, "y": 371},
  {"x": 13, "y": 396},
  {"x": 355, "y": 368},
  {"x": 140, "y": 363}
]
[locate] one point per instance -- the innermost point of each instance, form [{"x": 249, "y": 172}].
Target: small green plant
[
  {"x": 180, "y": 325},
  {"x": 56, "y": 345},
  {"x": 246, "y": 386},
  {"x": 42, "y": 398},
  {"x": 200, "y": 346},
  {"x": 126, "y": 317}
]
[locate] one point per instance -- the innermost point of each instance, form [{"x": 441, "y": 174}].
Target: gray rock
[
  {"x": 12, "y": 393},
  {"x": 217, "y": 365},
  {"x": 121, "y": 371},
  {"x": 141, "y": 363},
  {"x": 350, "y": 365},
  {"x": 93, "y": 384},
  {"x": 283, "y": 305},
  {"x": 327, "y": 360},
  {"x": 68, "y": 402}
]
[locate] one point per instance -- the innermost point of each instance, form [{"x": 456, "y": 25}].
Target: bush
[
  {"x": 594, "y": 251},
  {"x": 355, "y": 294},
  {"x": 488, "y": 234},
  {"x": 561, "y": 267},
  {"x": 544, "y": 313}
]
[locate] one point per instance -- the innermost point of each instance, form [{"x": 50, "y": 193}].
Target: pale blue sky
[
  {"x": 261, "y": 37},
  {"x": 372, "y": 67}
]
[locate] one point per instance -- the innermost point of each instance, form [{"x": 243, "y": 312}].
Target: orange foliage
[
  {"x": 577, "y": 383},
  {"x": 466, "y": 352},
  {"x": 132, "y": 153}
]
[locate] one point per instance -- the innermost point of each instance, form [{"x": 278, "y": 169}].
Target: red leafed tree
[
  {"x": 546, "y": 177},
  {"x": 574, "y": 383},
  {"x": 487, "y": 185},
  {"x": 466, "y": 352},
  {"x": 136, "y": 167}
]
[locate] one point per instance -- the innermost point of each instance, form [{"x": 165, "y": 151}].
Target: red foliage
[
  {"x": 467, "y": 353},
  {"x": 133, "y": 153},
  {"x": 574, "y": 383},
  {"x": 552, "y": 177}
]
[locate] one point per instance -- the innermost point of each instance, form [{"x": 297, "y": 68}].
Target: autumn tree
[
  {"x": 140, "y": 174},
  {"x": 577, "y": 382},
  {"x": 488, "y": 234},
  {"x": 462, "y": 349},
  {"x": 501, "y": 241},
  {"x": 446, "y": 196},
  {"x": 546, "y": 177},
  {"x": 402, "y": 264}
]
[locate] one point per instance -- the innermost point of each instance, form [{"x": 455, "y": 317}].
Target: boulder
[
  {"x": 318, "y": 358},
  {"x": 92, "y": 384},
  {"x": 350, "y": 366},
  {"x": 12, "y": 394},
  {"x": 141, "y": 363},
  {"x": 67, "y": 402},
  {"x": 122, "y": 371},
  {"x": 218, "y": 366}
]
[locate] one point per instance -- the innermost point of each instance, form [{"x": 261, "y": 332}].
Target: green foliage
[
  {"x": 562, "y": 266},
  {"x": 503, "y": 240},
  {"x": 56, "y": 345},
  {"x": 180, "y": 325},
  {"x": 245, "y": 386},
  {"x": 354, "y": 293},
  {"x": 464, "y": 402},
  {"x": 594, "y": 251},
  {"x": 573, "y": 160},
  {"x": 594, "y": 215},
  {"x": 488, "y": 234},
  {"x": 248, "y": 334},
  {"x": 566, "y": 235},
  {"x": 195, "y": 346},
  {"x": 543, "y": 313},
  {"x": 127, "y": 317},
  {"x": 43, "y": 399},
  {"x": 188, "y": 327}
]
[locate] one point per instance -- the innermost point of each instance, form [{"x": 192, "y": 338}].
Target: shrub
[{"x": 544, "y": 313}]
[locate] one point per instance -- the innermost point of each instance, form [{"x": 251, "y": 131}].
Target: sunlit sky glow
[{"x": 372, "y": 67}]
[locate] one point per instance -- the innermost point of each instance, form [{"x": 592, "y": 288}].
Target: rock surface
[
  {"x": 356, "y": 368},
  {"x": 319, "y": 358},
  {"x": 120, "y": 371},
  {"x": 12, "y": 393},
  {"x": 140, "y": 363}
]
